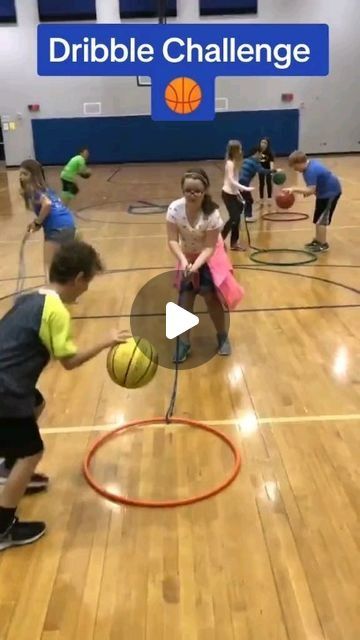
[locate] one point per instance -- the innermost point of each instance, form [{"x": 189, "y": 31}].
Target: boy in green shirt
[{"x": 75, "y": 167}]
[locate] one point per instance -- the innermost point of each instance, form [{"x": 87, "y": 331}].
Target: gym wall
[{"x": 323, "y": 118}]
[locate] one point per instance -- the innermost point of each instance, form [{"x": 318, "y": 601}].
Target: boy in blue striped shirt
[{"x": 251, "y": 166}]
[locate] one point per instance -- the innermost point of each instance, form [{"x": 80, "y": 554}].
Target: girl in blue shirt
[{"x": 52, "y": 215}]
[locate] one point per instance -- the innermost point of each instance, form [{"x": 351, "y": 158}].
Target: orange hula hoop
[{"x": 135, "y": 502}]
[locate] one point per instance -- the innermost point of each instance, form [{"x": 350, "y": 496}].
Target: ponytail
[{"x": 208, "y": 205}]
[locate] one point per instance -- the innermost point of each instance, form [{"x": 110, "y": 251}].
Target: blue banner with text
[{"x": 183, "y": 60}]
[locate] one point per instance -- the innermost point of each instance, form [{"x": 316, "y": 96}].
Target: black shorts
[
  {"x": 324, "y": 210},
  {"x": 205, "y": 282},
  {"x": 60, "y": 236},
  {"x": 20, "y": 437},
  {"x": 69, "y": 187}
]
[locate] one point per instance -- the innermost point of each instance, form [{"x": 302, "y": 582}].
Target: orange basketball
[
  {"x": 183, "y": 95},
  {"x": 285, "y": 200}
]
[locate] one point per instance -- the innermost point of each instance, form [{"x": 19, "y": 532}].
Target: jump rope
[
  {"x": 257, "y": 251},
  {"x": 170, "y": 411},
  {"x": 21, "y": 277},
  {"x": 255, "y": 256},
  {"x": 119, "y": 499},
  {"x": 309, "y": 257},
  {"x": 20, "y": 283},
  {"x": 168, "y": 419}
]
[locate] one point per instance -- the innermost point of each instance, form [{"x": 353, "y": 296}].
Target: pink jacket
[{"x": 221, "y": 269}]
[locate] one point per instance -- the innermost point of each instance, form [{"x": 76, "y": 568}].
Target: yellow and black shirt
[{"x": 37, "y": 328}]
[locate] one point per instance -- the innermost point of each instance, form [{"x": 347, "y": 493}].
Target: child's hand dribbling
[{"x": 118, "y": 337}]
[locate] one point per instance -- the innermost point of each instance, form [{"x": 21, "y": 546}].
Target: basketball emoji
[{"x": 183, "y": 95}]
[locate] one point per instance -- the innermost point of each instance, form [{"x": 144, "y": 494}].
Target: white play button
[{"x": 178, "y": 320}]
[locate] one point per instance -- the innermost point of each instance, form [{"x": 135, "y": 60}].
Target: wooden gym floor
[{"x": 275, "y": 556}]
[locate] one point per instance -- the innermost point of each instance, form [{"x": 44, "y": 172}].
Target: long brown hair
[
  {"x": 234, "y": 152},
  {"x": 268, "y": 149},
  {"x": 37, "y": 180},
  {"x": 208, "y": 204}
]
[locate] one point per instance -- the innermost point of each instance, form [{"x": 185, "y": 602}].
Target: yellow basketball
[{"x": 132, "y": 364}]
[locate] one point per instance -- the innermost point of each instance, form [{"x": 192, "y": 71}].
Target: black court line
[
  {"x": 14, "y": 293},
  {"x": 237, "y": 311},
  {"x": 78, "y": 215},
  {"x": 117, "y": 222},
  {"x": 216, "y": 163},
  {"x": 238, "y": 267},
  {"x": 253, "y": 267},
  {"x": 110, "y": 179},
  {"x": 112, "y": 176},
  {"x": 252, "y": 310},
  {"x": 308, "y": 277},
  {"x": 136, "y": 164},
  {"x": 219, "y": 166}
]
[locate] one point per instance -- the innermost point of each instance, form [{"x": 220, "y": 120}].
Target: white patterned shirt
[{"x": 192, "y": 237}]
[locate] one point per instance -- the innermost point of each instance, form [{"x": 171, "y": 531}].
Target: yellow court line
[{"x": 212, "y": 423}]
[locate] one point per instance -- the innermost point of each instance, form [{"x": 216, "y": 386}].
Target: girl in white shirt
[
  {"x": 193, "y": 229},
  {"x": 231, "y": 194}
]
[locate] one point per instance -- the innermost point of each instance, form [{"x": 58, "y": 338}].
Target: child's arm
[
  {"x": 56, "y": 335},
  {"x": 303, "y": 191},
  {"x": 265, "y": 172},
  {"x": 174, "y": 244},
  {"x": 44, "y": 212},
  {"x": 229, "y": 175},
  {"x": 83, "y": 170},
  {"x": 76, "y": 360}
]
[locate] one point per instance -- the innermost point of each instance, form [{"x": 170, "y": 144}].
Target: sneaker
[
  {"x": 21, "y": 533},
  {"x": 250, "y": 219},
  {"x": 320, "y": 248},
  {"x": 224, "y": 346},
  {"x": 311, "y": 244},
  {"x": 38, "y": 481},
  {"x": 182, "y": 352}
]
